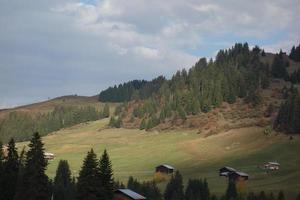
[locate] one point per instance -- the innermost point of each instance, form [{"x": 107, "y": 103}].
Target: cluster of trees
[
  {"x": 295, "y": 53},
  {"x": 115, "y": 122},
  {"x": 295, "y": 77},
  {"x": 136, "y": 89},
  {"x": 148, "y": 189},
  {"x": 288, "y": 118},
  {"x": 20, "y": 125},
  {"x": 22, "y": 176},
  {"x": 279, "y": 66},
  {"x": 236, "y": 72},
  {"x": 197, "y": 189}
]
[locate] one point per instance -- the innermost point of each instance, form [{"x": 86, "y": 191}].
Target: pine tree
[
  {"x": 280, "y": 195},
  {"x": 11, "y": 168},
  {"x": 2, "y": 158},
  {"x": 20, "y": 188},
  {"x": 106, "y": 176},
  {"x": 63, "y": 186},
  {"x": 88, "y": 185},
  {"x": 105, "y": 112},
  {"x": 231, "y": 192},
  {"x": 174, "y": 189},
  {"x": 36, "y": 183},
  {"x": 279, "y": 67},
  {"x": 143, "y": 124}
]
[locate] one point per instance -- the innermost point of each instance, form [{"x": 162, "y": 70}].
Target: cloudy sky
[{"x": 50, "y": 48}]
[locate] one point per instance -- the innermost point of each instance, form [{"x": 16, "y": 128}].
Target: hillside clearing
[{"x": 134, "y": 152}]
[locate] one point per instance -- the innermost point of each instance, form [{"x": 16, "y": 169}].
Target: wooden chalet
[
  {"x": 49, "y": 156},
  {"x": 127, "y": 194},
  {"x": 166, "y": 169},
  {"x": 272, "y": 166},
  {"x": 238, "y": 176},
  {"x": 225, "y": 171}
]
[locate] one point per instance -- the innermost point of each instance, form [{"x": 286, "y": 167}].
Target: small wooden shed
[
  {"x": 225, "y": 171},
  {"x": 166, "y": 169},
  {"x": 272, "y": 166},
  {"x": 127, "y": 194},
  {"x": 238, "y": 176}
]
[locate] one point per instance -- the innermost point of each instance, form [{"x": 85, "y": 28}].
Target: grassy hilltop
[{"x": 134, "y": 152}]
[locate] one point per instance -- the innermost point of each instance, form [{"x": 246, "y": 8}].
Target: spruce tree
[
  {"x": 88, "y": 185},
  {"x": 105, "y": 112},
  {"x": 36, "y": 183},
  {"x": 280, "y": 195},
  {"x": 63, "y": 186},
  {"x": 174, "y": 189},
  {"x": 106, "y": 176},
  {"x": 20, "y": 188},
  {"x": 2, "y": 158},
  {"x": 11, "y": 169},
  {"x": 231, "y": 192}
]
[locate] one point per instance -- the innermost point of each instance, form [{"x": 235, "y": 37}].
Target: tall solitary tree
[
  {"x": 36, "y": 185},
  {"x": 1, "y": 170},
  {"x": 63, "y": 186},
  {"x": 106, "y": 176},
  {"x": 88, "y": 185},
  {"x": 174, "y": 190},
  {"x": 231, "y": 192},
  {"x": 11, "y": 169}
]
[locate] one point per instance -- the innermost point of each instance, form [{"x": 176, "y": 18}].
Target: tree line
[
  {"x": 288, "y": 118},
  {"x": 22, "y": 176},
  {"x": 235, "y": 73},
  {"x": 21, "y": 125},
  {"x": 295, "y": 53}
]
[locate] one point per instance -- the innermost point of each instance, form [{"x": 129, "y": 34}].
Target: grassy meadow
[{"x": 136, "y": 153}]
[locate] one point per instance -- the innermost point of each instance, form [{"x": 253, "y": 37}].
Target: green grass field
[{"x": 136, "y": 153}]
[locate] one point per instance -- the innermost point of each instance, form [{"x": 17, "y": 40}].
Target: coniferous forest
[
  {"x": 20, "y": 125},
  {"x": 22, "y": 176},
  {"x": 235, "y": 73}
]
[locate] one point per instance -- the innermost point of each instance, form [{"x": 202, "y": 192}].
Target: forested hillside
[
  {"x": 236, "y": 73},
  {"x": 21, "y": 125}
]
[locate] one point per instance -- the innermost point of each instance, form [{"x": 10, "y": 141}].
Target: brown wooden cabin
[
  {"x": 166, "y": 169},
  {"x": 238, "y": 176},
  {"x": 225, "y": 171},
  {"x": 127, "y": 194},
  {"x": 272, "y": 166}
]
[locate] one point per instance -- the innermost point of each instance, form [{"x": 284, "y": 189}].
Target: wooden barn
[
  {"x": 126, "y": 194},
  {"x": 166, "y": 169},
  {"x": 272, "y": 166},
  {"x": 49, "y": 156},
  {"x": 238, "y": 176},
  {"x": 225, "y": 171}
]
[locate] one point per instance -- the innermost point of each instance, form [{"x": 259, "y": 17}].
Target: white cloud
[
  {"x": 87, "y": 47},
  {"x": 148, "y": 53}
]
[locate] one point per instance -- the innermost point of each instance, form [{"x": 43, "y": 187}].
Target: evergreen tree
[
  {"x": 174, "y": 189},
  {"x": 89, "y": 185},
  {"x": 143, "y": 124},
  {"x": 63, "y": 188},
  {"x": 11, "y": 168},
  {"x": 2, "y": 158},
  {"x": 35, "y": 181},
  {"x": 20, "y": 187},
  {"x": 105, "y": 112},
  {"x": 279, "y": 67},
  {"x": 231, "y": 192},
  {"x": 280, "y": 195},
  {"x": 106, "y": 176}
]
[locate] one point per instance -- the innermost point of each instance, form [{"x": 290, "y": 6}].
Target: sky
[{"x": 50, "y": 48}]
